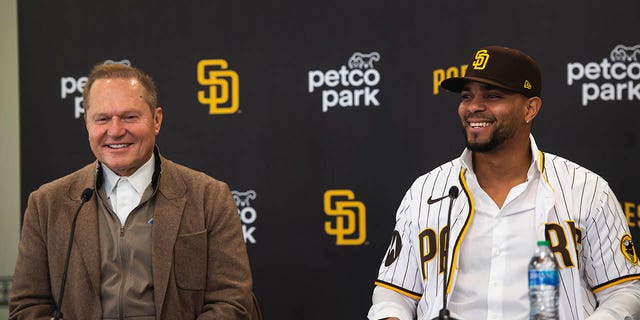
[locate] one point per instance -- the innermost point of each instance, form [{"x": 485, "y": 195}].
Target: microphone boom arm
[
  {"x": 444, "y": 312},
  {"x": 86, "y": 195}
]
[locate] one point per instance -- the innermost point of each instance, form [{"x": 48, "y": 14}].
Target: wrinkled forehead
[
  {"x": 110, "y": 86},
  {"x": 118, "y": 83}
]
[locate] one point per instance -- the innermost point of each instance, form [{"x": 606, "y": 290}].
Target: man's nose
[
  {"x": 116, "y": 128},
  {"x": 476, "y": 104}
]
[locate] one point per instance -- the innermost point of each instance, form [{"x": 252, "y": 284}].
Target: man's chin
[
  {"x": 119, "y": 168},
  {"x": 478, "y": 142},
  {"x": 476, "y": 146}
]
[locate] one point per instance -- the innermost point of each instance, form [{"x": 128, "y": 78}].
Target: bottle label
[{"x": 543, "y": 277}]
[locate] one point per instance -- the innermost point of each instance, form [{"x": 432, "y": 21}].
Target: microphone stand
[
  {"x": 86, "y": 195},
  {"x": 444, "y": 312}
]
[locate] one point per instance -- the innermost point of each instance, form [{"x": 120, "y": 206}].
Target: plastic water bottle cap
[{"x": 544, "y": 243}]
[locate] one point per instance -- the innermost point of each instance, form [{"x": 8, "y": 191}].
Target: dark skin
[
  {"x": 496, "y": 125},
  {"x": 486, "y": 113}
]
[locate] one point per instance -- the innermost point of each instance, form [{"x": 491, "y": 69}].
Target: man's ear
[
  {"x": 157, "y": 120},
  {"x": 533, "y": 107}
]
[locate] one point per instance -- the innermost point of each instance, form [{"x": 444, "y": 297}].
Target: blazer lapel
[
  {"x": 166, "y": 222},
  {"x": 87, "y": 238},
  {"x": 88, "y": 241}
]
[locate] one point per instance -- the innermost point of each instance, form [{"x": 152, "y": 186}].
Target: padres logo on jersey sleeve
[{"x": 628, "y": 250}]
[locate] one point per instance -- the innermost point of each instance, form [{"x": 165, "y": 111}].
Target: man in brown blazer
[{"x": 156, "y": 240}]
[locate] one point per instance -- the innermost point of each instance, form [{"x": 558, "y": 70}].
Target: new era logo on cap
[{"x": 502, "y": 67}]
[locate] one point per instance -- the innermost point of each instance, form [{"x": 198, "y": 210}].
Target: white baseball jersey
[{"x": 575, "y": 210}]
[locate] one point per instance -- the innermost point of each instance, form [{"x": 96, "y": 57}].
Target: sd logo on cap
[{"x": 502, "y": 67}]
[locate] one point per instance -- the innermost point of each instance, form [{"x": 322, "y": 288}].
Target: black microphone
[
  {"x": 86, "y": 195},
  {"x": 444, "y": 312}
]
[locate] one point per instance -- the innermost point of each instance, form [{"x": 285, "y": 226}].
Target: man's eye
[
  {"x": 130, "y": 118},
  {"x": 100, "y": 120}
]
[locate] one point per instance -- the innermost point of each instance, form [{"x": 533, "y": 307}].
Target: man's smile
[
  {"x": 118, "y": 145},
  {"x": 479, "y": 124}
]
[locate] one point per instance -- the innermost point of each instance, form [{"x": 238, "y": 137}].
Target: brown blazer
[{"x": 199, "y": 259}]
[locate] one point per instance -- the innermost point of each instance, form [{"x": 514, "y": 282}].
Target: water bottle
[{"x": 543, "y": 284}]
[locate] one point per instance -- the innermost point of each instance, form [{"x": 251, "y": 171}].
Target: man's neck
[{"x": 502, "y": 169}]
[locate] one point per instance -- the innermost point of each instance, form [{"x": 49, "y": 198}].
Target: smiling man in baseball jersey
[{"x": 511, "y": 195}]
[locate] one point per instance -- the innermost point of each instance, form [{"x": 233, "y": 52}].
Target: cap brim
[{"x": 456, "y": 84}]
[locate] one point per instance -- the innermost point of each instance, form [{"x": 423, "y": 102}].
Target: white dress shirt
[
  {"x": 499, "y": 241},
  {"x": 124, "y": 193}
]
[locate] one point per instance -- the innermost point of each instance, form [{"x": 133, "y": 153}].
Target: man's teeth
[
  {"x": 117, "y": 146},
  {"x": 479, "y": 124}
]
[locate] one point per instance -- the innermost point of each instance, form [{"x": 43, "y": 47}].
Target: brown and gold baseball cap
[{"x": 502, "y": 67}]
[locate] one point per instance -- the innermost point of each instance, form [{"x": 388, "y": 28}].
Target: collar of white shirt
[
  {"x": 534, "y": 169},
  {"x": 140, "y": 179}
]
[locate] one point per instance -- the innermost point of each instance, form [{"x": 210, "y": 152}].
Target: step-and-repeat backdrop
[{"x": 320, "y": 114}]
